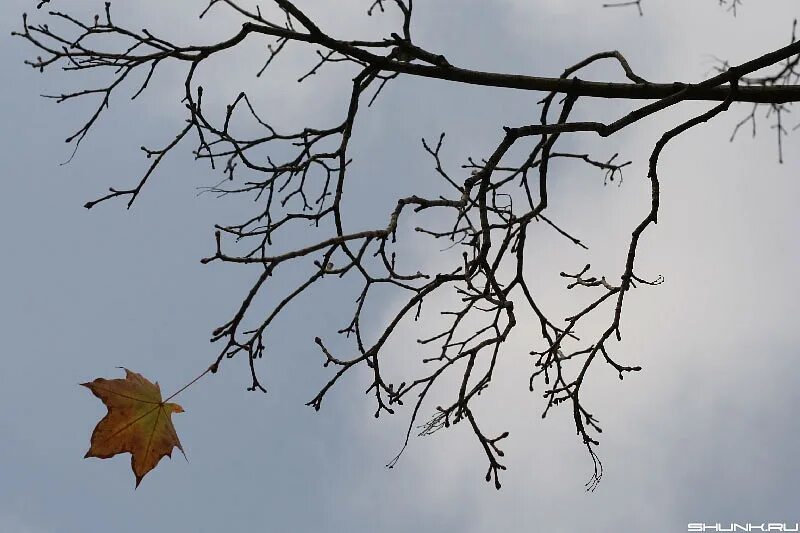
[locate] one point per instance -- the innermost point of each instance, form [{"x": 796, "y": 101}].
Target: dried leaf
[{"x": 138, "y": 422}]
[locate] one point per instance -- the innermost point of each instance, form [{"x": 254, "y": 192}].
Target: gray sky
[{"x": 706, "y": 432}]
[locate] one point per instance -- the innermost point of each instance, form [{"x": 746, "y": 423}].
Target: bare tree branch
[{"x": 298, "y": 179}]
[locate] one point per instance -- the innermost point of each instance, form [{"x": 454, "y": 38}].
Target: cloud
[
  {"x": 719, "y": 326},
  {"x": 704, "y": 432}
]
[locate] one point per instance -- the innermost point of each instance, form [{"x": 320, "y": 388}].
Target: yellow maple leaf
[{"x": 138, "y": 422}]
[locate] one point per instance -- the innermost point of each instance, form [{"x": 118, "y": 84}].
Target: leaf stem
[{"x": 188, "y": 385}]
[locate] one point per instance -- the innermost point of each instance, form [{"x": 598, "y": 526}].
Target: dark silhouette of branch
[
  {"x": 299, "y": 178},
  {"x": 730, "y": 4}
]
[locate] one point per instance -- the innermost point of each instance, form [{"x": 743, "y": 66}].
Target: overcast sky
[{"x": 708, "y": 431}]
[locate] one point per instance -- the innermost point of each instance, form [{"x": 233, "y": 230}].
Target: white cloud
[
  {"x": 724, "y": 246},
  {"x": 715, "y": 340}
]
